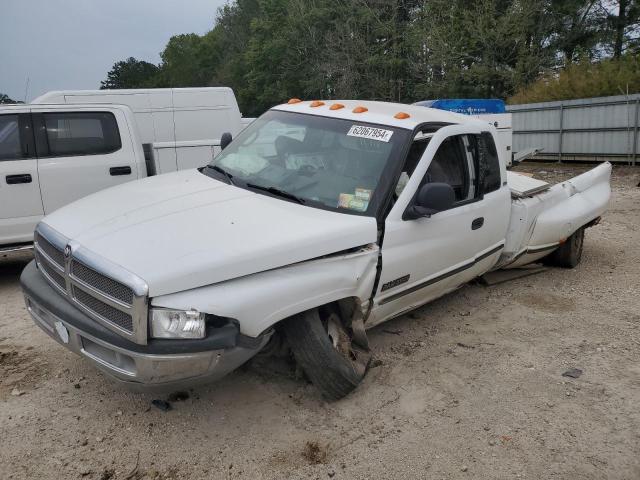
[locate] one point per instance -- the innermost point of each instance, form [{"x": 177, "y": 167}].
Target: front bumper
[{"x": 160, "y": 363}]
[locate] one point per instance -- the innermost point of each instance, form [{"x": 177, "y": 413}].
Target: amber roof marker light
[
  {"x": 294, "y": 100},
  {"x": 336, "y": 106},
  {"x": 401, "y": 115},
  {"x": 360, "y": 110},
  {"x": 316, "y": 103}
]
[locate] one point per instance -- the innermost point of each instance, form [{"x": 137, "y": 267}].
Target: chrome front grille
[
  {"x": 56, "y": 275},
  {"x": 98, "y": 281},
  {"x": 111, "y": 295},
  {"x": 56, "y": 255},
  {"x": 106, "y": 312}
]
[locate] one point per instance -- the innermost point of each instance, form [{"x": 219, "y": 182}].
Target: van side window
[
  {"x": 454, "y": 164},
  {"x": 489, "y": 164},
  {"x": 81, "y": 133},
  {"x": 10, "y": 147}
]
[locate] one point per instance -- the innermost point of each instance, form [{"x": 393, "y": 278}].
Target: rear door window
[
  {"x": 10, "y": 146},
  {"x": 81, "y": 133},
  {"x": 489, "y": 164}
]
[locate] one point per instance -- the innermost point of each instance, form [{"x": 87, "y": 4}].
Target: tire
[
  {"x": 569, "y": 254},
  {"x": 330, "y": 367}
]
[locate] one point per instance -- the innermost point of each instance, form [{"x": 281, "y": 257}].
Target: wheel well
[{"x": 348, "y": 308}]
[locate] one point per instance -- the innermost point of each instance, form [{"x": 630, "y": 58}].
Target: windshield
[{"x": 317, "y": 161}]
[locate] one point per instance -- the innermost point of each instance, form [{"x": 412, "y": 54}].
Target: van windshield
[{"x": 318, "y": 161}]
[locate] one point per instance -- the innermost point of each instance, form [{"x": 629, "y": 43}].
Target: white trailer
[{"x": 492, "y": 111}]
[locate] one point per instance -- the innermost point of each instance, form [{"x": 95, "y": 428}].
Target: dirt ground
[{"x": 469, "y": 386}]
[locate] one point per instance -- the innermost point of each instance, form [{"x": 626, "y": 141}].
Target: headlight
[{"x": 167, "y": 323}]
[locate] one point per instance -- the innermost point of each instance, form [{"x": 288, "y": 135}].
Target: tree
[
  {"x": 226, "y": 46},
  {"x": 282, "y": 51},
  {"x": 366, "y": 50},
  {"x": 181, "y": 62},
  {"x": 4, "y": 98},
  {"x": 130, "y": 73},
  {"x": 484, "y": 48},
  {"x": 576, "y": 28},
  {"x": 624, "y": 23},
  {"x": 402, "y": 50},
  {"x": 583, "y": 80}
]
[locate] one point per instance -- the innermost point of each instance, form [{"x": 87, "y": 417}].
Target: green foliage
[
  {"x": 622, "y": 26},
  {"x": 182, "y": 62},
  {"x": 496, "y": 47},
  {"x": 577, "y": 27},
  {"x": 402, "y": 50},
  {"x": 584, "y": 80},
  {"x": 271, "y": 51},
  {"x": 130, "y": 73},
  {"x": 4, "y": 98}
]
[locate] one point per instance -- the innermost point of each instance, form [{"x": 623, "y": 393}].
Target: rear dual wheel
[
  {"x": 569, "y": 254},
  {"x": 323, "y": 346}
]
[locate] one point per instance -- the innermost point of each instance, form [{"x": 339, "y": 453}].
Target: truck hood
[{"x": 184, "y": 230}]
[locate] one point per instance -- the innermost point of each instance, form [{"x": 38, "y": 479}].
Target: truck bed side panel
[{"x": 541, "y": 222}]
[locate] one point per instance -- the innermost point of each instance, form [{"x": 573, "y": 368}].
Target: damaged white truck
[{"x": 319, "y": 221}]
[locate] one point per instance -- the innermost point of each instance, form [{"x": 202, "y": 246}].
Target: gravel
[{"x": 469, "y": 386}]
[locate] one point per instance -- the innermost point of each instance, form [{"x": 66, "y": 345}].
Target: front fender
[{"x": 261, "y": 300}]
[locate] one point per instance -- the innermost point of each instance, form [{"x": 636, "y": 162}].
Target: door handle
[
  {"x": 477, "y": 223},
  {"x": 115, "y": 171},
  {"x": 21, "y": 178}
]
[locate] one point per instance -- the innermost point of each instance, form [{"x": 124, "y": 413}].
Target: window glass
[
  {"x": 416, "y": 150},
  {"x": 489, "y": 164},
  {"x": 76, "y": 133},
  {"x": 450, "y": 165},
  {"x": 470, "y": 143},
  {"x": 10, "y": 148},
  {"x": 325, "y": 162}
]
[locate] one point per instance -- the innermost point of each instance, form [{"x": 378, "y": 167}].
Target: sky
[{"x": 72, "y": 44}]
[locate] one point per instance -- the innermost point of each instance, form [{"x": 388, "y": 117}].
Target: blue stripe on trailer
[{"x": 476, "y": 106}]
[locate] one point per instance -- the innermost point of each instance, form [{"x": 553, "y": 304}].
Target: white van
[
  {"x": 181, "y": 127},
  {"x": 67, "y": 145}
]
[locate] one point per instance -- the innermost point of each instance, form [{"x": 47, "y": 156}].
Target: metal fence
[{"x": 590, "y": 129}]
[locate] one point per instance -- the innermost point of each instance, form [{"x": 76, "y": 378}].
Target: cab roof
[{"x": 382, "y": 113}]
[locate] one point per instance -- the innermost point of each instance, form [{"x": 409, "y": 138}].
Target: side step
[{"x": 500, "y": 276}]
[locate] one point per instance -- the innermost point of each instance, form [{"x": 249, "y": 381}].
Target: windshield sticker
[
  {"x": 371, "y": 133},
  {"x": 350, "y": 201},
  {"x": 363, "y": 194}
]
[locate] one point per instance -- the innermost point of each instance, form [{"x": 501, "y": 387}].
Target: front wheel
[
  {"x": 569, "y": 254},
  {"x": 323, "y": 347}
]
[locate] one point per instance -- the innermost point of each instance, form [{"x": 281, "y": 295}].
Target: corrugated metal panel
[
  {"x": 536, "y": 120},
  {"x": 606, "y": 116},
  {"x": 599, "y": 143},
  {"x": 602, "y": 127}
]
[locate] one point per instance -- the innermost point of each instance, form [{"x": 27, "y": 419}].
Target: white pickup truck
[
  {"x": 319, "y": 221},
  {"x": 66, "y": 145}
]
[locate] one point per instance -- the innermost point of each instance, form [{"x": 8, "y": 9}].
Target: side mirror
[
  {"x": 431, "y": 198},
  {"x": 225, "y": 140}
]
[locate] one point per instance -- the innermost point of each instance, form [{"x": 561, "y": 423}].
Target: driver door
[{"x": 425, "y": 258}]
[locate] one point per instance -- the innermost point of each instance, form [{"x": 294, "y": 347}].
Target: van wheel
[
  {"x": 323, "y": 347},
  {"x": 569, "y": 254}
]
